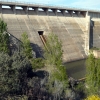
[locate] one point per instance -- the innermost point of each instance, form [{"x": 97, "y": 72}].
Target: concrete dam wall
[{"x": 77, "y": 30}]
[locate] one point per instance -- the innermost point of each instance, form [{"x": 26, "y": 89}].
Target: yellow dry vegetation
[{"x": 93, "y": 97}]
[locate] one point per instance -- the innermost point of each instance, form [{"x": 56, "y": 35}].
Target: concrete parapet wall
[
  {"x": 94, "y": 14},
  {"x": 45, "y": 8}
]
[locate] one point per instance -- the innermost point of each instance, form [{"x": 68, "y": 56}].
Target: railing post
[
  {"x": 25, "y": 8},
  {"x": 13, "y": 7},
  {"x": 0, "y": 8},
  {"x": 35, "y": 9}
]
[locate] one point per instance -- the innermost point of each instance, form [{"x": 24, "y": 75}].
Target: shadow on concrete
[
  {"x": 15, "y": 45},
  {"x": 91, "y": 34},
  {"x": 7, "y": 11},
  {"x": 38, "y": 50}
]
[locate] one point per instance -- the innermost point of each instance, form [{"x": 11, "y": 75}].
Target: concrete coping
[
  {"x": 31, "y": 4},
  {"x": 21, "y": 4}
]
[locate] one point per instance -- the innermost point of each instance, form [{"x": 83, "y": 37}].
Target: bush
[{"x": 13, "y": 73}]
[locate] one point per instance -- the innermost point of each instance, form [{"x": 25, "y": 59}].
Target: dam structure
[{"x": 78, "y": 29}]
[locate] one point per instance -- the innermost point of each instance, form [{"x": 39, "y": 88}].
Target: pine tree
[
  {"x": 27, "y": 49},
  {"x": 3, "y": 26},
  {"x": 53, "y": 63},
  {"x": 98, "y": 75},
  {"x": 93, "y": 74},
  {"x": 4, "y": 37}
]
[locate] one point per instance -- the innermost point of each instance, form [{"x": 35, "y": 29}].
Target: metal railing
[{"x": 47, "y": 5}]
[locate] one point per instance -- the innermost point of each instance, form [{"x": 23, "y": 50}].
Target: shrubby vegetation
[{"x": 36, "y": 63}]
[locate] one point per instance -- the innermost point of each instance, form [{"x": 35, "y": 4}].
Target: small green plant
[
  {"x": 95, "y": 48},
  {"x": 37, "y": 63}
]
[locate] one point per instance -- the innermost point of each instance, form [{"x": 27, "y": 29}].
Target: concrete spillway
[{"x": 72, "y": 27}]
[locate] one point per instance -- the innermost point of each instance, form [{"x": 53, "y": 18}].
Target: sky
[{"x": 87, "y": 4}]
